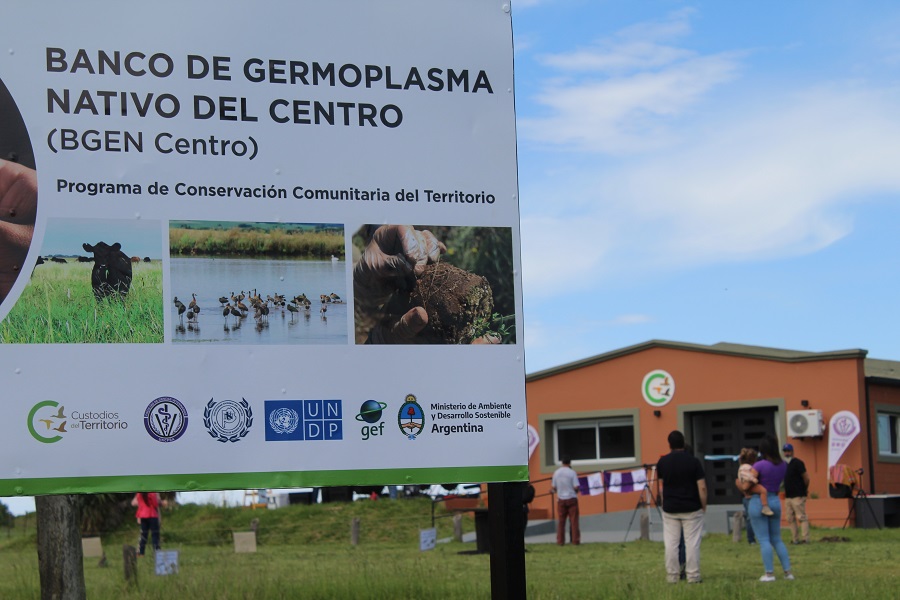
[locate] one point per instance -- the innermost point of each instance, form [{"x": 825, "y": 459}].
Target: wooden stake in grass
[
  {"x": 129, "y": 559},
  {"x": 457, "y": 527},
  {"x": 354, "y": 531}
]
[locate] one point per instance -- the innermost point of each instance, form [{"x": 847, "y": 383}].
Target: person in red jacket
[{"x": 147, "y": 504}]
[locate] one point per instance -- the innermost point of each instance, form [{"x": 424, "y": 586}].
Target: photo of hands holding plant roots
[
  {"x": 433, "y": 285},
  {"x": 96, "y": 281},
  {"x": 257, "y": 283}
]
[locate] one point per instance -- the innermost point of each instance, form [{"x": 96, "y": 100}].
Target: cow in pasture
[
  {"x": 57, "y": 259},
  {"x": 146, "y": 259},
  {"x": 135, "y": 260},
  {"x": 83, "y": 259},
  {"x": 112, "y": 270}
]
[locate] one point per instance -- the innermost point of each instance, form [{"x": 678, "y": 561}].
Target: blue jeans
[
  {"x": 751, "y": 538},
  {"x": 768, "y": 532},
  {"x": 149, "y": 524}
]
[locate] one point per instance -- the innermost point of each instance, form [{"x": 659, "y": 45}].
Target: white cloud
[
  {"x": 778, "y": 177},
  {"x": 627, "y": 114},
  {"x": 632, "y": 55},
  {"x": 635, "y": 47},
  {"x": 773, "y": 182},
  {"x": 659, "y": 183},
  {"x": 616, "y": 96},
  {"x": 676, "y": 24}
]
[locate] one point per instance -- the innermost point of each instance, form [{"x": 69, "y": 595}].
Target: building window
[
  {"x": 595, "y": 440},
  {"x": 888, "y": 434}
]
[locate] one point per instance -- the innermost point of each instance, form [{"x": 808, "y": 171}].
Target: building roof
[{"x": 884, "y": 368}]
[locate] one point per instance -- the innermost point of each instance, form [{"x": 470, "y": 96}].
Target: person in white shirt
[{"x": 565, "y": 486}]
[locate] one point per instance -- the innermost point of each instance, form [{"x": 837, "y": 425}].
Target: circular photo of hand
[{"x": 18, "y": 193}]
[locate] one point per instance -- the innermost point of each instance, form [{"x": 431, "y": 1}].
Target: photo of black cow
[
  {"x": 109, "y": 296},
  {"x": 112, "y": 270}
]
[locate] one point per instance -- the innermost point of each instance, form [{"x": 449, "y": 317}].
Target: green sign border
[{"x": 244, "y": 481}]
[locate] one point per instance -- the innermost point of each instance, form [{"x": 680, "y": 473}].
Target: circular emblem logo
[
  {"x": 844, "y": 426},
  {"x": 658, "y": 388},
  {"x": 370, "y": 411},
  {"x": 284, "y": 420},
  {"x": 411, "y": 417},
  {"x": 166, "y": 419},
  {"x": 46, "y": 422},
  {"x": 228, "y": 420}
]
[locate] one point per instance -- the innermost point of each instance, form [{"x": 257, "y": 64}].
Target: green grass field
[
  {"x": 260, "y": 242},
  {"x": 58, "y": 307},
  {"x": 305, "y": 552}
]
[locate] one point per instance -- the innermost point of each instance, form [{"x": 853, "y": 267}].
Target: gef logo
[{"x": 370, "y": 413}]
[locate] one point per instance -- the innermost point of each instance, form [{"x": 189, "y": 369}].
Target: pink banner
[{"x": 842, "y": 429}]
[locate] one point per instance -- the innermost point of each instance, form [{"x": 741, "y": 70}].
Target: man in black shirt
[
  {"x": 682, "y": 484},
  {"x": 796, "y": 486}
]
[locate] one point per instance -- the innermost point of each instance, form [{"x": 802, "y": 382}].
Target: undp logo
[{"x": 303, "y": 420}]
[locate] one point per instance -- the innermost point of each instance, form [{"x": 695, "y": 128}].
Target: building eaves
[
  {"x": 724, "y": 348},
  {"x": 887, "y": 371}
]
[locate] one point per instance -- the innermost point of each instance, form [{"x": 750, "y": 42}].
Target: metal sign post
[{"x": 507, "y": 540}]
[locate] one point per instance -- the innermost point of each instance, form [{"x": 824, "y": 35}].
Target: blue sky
[
  {"x": 705, "y": 172},
  {"x": 138, "y": 237}
]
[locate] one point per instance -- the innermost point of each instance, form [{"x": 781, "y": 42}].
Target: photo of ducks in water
[{"x": 258, "y": 283}]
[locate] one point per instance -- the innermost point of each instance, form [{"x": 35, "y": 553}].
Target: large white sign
[{"x": 258, "y": 246}]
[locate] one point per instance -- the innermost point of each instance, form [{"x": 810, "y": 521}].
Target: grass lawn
[
  {"x": 58, "y": 307},
  {"x": 304, "y": 552}
]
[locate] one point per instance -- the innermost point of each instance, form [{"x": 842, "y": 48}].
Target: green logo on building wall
[{"x": 658, "y": 388}]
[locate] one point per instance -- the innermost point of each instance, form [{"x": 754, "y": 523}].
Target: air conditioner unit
[{"x": 805, "y": 423}]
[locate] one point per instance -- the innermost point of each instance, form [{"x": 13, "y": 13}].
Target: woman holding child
[{"x": 769, "y": 472}]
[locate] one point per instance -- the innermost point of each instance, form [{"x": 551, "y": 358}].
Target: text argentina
[{"x": 464, "y": 428}]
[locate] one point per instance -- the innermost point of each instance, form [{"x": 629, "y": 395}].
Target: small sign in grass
[{"x": 427, "y": 539}]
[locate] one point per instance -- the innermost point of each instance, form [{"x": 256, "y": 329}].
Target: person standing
[
  {"x": 796, "y": 489},
  {"x": 147, "y": 504},
  {"x": 682, "y": 485},
  {"x": 565, "y": 485},
  {"x": 748, "y": 456},
  {"x": 771, "y": 471},
  {"x": 527, "y": 499}
]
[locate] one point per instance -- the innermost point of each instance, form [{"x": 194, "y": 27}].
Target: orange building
[{"x": 614, "y": 412}]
